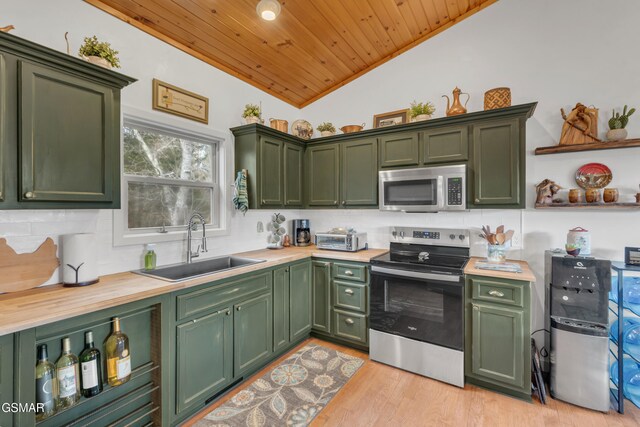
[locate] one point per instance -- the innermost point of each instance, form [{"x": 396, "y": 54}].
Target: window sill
[{"x": 171, "y": 236}]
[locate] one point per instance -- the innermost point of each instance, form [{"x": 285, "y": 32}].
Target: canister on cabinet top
[{"x": 581, "y": 238}]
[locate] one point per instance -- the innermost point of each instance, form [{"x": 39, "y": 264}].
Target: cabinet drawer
[
  {"x": 354, "y": 272},
  {"x": 497, "y": 291},
  {"x": 350, "y": 326},
  {"x": 217, "y": 295},
  {"x": 350, "y": 296}
]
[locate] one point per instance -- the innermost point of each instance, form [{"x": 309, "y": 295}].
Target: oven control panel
[
  {"x": 431, "y": 236},
  {"x": 426, "y": 234}
]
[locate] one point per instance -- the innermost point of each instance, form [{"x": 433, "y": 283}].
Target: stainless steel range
[{"x": 417, "y": 298}]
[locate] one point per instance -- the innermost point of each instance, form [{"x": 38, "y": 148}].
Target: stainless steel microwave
[{"x": 427, "y": 189}]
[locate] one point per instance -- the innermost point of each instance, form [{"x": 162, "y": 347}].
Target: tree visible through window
[{"x": 169, "y": 175}]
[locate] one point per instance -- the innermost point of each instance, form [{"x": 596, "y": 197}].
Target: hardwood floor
[{"x": 379, "y": 395}]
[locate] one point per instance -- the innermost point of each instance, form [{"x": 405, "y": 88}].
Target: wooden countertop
[
  {"x": 35, "y": 307},
  {"x": 526, "y": 275}
]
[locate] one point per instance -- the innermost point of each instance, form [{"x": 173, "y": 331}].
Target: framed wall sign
[
  {"x": 180, "y": 102},
  {"x": 390, "y": 119}
]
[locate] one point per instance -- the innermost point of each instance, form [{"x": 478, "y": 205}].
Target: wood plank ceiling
[{"x": 311, "y": 49}]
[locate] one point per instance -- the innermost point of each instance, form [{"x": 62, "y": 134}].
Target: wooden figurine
[
  {"x": 7, "y": 28},
  {"x": 545, "y": 192},
  {"x": 580, "y": 126}
]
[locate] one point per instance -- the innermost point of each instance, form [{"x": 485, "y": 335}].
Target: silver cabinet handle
[
  {"x": 495, "y": 293},
  {"x": 194, "y": 320},
  {"x": 238, "y": 308},
  {"x": 348, "y": 321},
  {"x": 348, "y": 291},
  {"x": 344, "y": 202},
  {"x": 228, "y": 312},
  {"x": 29, "y": 195},
  {"x": 0, "y": 194},
  {"x": 477, "y": 200},
  {"x": 348, "y": 273},
  {"x": 475, "y": 307}
]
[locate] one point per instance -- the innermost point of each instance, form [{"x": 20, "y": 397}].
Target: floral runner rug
[{"x": 291, "y": 394}]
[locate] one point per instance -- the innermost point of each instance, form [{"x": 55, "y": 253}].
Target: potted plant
[
  {"x": 99, "y": 53},
  {"x": 617, "y": 124},
  {"x": 326, "y": 129},
  {"x": 421, "y": 111},
  {"x": 251, "y": 113}
]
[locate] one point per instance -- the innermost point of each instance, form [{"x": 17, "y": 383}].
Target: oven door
[
  {"x": 410, "y": 193},
  {"x": 426, "y": 307}
]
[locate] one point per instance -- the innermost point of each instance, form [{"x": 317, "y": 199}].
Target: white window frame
[{"x": 122, "y": 235}]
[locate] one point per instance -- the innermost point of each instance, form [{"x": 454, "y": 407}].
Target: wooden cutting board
[{"x": 19, "y": 272}]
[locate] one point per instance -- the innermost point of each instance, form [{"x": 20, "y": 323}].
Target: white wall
[
  {"x": 554, "y": 52},
  {"x": 143, "y": 57}
]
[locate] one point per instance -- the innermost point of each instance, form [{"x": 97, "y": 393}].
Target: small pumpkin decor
[
  {"x": 617, "y": 124},
  {"x": 252, "y": 114},
  {"x": 99, "y": 53},
  {"x": 420, "y": 111},
  {"x": 326, "y": 129}
]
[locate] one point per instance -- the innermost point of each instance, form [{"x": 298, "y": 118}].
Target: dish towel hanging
[{"x": 240, "y": 196}]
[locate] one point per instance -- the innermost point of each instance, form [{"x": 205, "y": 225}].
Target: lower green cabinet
[
  {"x": 6, "y": 377},
  {"x": 321, "y": 309},
  {"x": 204, "y": 358},
  {"x": 299, "y": 301},
  {"x": 281, "y": 311},
  {"x": 498, "y": 350},
  {"x": 252, "y": 333}
]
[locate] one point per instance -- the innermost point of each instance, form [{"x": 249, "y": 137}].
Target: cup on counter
[
  {"x": 575, "y": 195},
  {"x": 610, "y": 195},
  {"x": 496, "y": 254},
  {"x": 592, "y": 195}
]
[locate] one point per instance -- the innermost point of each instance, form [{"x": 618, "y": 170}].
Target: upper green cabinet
[
  {"x": 447, "y": 144},
  {"x": 60, "y": 117},
  {"x": 293, "y": 166},
  {"x": 498, "y": 164},
  {"x": 359, "y": 175},
  {"x": 271, "y": 172},
  {"x": 399, "y": 149},
  {"x": 323, "y": 175}
]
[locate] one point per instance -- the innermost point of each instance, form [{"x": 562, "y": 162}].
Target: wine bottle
[
  {"x": 46, "y": 385},
  {"x": 91, "y": 367},
  {"x": 68, "y": 376},
  {"x": 116, "y": 348}
]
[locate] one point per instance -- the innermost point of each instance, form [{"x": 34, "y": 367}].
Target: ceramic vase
[
  {"x": 616, "y": 134},
  {"x": 421, "y": 117},
  {"x": 327, "y": 133},
  {"x": 251, "y": 119},
  {"x": 99, "y": 61}
]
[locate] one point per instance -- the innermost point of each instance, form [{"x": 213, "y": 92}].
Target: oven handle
[{"x": 415, "y": 274}]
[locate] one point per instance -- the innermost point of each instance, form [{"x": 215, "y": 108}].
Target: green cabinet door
[
  {"x": 323, "y": 175},
  {"x": 293, "y": 178},
  {"x": 271, "y": 172},
  {"x": 6, "y": 377},
  {"x": 281, "y": 312},
  {"x": 300, "y": 301},
  {"x": 252, "y": 333},
  {"x": 359, "y": 173},
  {"x": 399, "y": 149},
  {"x": 204, "y": 363},
  {"x": 3, "y": 123},
  {"x": 321, "y": 297},
  {"x": 498, "y": 337},
  {"x": 68, "y": 126},
  {"x": 447, "y": 144},
  {"x": 498, "y": 164}
]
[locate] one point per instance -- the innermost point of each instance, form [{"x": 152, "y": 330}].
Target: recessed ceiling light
[{"x": 268, "y": 9}]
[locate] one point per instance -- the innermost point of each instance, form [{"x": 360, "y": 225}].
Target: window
[{"x": 168, "y": 174}]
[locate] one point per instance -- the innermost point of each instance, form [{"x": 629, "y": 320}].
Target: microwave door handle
[{"x": 441, "y": 192}]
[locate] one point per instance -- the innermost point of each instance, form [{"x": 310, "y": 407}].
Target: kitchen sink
[{"x": 178, "y": 272}]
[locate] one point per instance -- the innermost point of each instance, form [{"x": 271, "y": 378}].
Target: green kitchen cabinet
[
  {"x": 6, "y": 377},
  {"x": 252, "y": 333},
  {"x": 204, "y": 358},
  {"x": 293, "y": 176},
  {"x": 446, "y": 144},
  {"x": 498, "y": 163},
  {"x": 359, "y": 173},
  {"x": 281, "y": 308},
  {"x": 399, "y": 149},
  {"x": 323, "y": 175},
  {"x": 321, "y": 286},
  {"x": 61, "y": 118},
  {"x": 300, "y": 291},
  {"x": 271, "y": 181},
  {"x": 497, "y": 339}
]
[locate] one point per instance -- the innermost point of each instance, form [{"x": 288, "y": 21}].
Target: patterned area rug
[{"x": 292, "y": 394}]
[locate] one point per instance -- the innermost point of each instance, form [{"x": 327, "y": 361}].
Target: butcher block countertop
[
  {"x": 40, "y": 306},
  {"x": 526, "y": 275}
]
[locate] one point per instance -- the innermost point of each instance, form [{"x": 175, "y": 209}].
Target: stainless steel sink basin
[{"x": 178, "y": 272}]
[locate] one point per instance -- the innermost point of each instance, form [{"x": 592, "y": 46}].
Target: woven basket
[{"x": 498, "y": 97}]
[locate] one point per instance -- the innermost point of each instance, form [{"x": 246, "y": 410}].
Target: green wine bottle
[
  {"x": 116, "y": 349},
  {"x": 68, "y": 376},
  {"x": 46, "y": 385},
  {"x": 91, "y": 367}
]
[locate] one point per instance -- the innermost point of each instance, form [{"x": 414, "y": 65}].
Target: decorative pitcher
[{"x": 456, "y": 108}]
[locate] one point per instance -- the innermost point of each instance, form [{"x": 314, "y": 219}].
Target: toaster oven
[{"x": 341, "y": 240}]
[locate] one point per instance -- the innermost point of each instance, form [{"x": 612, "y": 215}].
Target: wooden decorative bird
[{"x": 7, "y": 28}]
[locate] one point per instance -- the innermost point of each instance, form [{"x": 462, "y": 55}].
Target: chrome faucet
[{"x": 203, "y": 246}]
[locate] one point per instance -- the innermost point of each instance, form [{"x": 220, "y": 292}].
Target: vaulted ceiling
[{"x": 310, "y": 50}]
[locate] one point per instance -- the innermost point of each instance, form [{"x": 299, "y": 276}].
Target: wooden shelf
[
  {"x": 589, "y": 206},
  {"x": 557, "y": 149}
]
